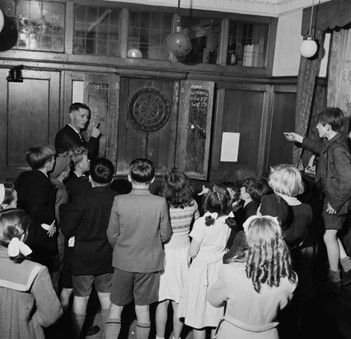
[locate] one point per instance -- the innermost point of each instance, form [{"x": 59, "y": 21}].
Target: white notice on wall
[{"x": 230, "y": 146}]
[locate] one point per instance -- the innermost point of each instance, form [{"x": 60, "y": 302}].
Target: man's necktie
[{"x": 81, "y": 138}]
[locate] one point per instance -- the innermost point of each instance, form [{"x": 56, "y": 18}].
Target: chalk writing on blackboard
[{"x": 198, "y": 106}]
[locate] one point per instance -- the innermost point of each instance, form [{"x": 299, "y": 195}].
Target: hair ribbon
[
  {"x": 213, "y": 215},
  {"x": 16, "y": 247}
]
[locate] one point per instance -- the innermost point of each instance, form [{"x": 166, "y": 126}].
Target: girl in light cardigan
[{"x": 26, "y": 291}]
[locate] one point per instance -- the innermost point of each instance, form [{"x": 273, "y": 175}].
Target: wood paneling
[
  {"x": 283, "y": 119},
  {"x": 30, "y": 116},
  {"x": 159, "y": 146},
  {"x": 243, "y": 114}
]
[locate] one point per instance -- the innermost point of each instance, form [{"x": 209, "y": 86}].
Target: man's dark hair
[
  {"x": 77, "y": 105},
  {"x": 142, "y": 170},
  {"x": 37, "y": 156},
  {"x": 102, "y": 171},
  {"x": 332, "y": 116}
]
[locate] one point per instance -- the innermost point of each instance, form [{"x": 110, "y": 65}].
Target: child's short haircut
[
  {"x": 102, "y": 171},
  {"x": 76, "y": 153},
  {"x": 332, "y": 116},
  {"x": 235, "y": 187},
  {"x": 76, "y": 106},
  {"x": 142, "y": 170},
  {"x": 255, "y": 188},
  {"x": 286, "y": 179},
  {"x": 37, "y": 156}
]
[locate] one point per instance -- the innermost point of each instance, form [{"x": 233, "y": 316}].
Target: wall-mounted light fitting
[{"x": 15, "y": 74}]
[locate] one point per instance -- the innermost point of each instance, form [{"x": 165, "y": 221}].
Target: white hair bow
[
  {"x": 16, "y": 247},
  {"x": 231, "y": 215},
  {"x": 213, "y": 215}
]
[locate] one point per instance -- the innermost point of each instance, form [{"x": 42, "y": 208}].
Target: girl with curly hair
[
  {"x": 255, "y": 285},
  {"x": 183, "y": 209},
  {"x": 209, "y": 237}
]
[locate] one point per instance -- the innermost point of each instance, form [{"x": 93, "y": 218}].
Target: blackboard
[{"x": 195, "y": 112}]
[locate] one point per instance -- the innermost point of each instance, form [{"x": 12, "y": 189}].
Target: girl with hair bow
[
  {"x": 27, "y": 292},
  {"x": 209, "y": 237}
]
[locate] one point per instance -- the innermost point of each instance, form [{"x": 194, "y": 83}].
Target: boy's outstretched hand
[{"x": 292, "y": 136}]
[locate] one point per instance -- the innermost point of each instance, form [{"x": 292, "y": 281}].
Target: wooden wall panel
[
  {"x": 242, "y": 113},
  {"x": 31, "y": 116},
  {"x": 159, "y": 146},
  {"x": 283, "y": 119}
]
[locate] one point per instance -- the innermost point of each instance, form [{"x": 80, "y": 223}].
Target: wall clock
[{"x": 149, "y": 109}]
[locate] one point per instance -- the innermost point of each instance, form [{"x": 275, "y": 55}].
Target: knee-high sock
[
  {"x": 142, "y": 330},
  {"x": 104, "y": 316},
  {"x": 112, "y": 328}
]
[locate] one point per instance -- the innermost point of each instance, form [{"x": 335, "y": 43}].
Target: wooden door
[
  {"x": 29, "y": 115},
  {"x": 153, "y": 99}
]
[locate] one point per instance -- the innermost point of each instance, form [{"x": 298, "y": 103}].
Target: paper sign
[{"x": 230, "y": 147}]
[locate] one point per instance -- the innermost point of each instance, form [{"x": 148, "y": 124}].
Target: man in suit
[
  {"x": 71, "y": 136},
  {"x": 91, "y": 260}
]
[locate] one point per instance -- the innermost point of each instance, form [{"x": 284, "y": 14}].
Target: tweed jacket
[
  {"x": 139, "y": 224},
  {"x": 36, "y": 195},
  {"x": 88, "y": 220},
  {"x": 67, "y": 137},
  {"x": 28, "y": 299},
  {"x": 334, "y": 170}
]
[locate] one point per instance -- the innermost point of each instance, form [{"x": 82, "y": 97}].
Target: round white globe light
[
  {"x": 308, "y": 48},
  {"x": 134, "y": 53}
]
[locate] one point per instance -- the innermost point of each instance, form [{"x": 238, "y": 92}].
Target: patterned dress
[
  {"x": 193, "y": 306},
  {"x": 176, "y": 252}
]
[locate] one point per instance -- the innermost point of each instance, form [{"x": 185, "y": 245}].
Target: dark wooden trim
[
  {"x": 217, "y": 129},
  {"x": 272, "y": 34},
  {"x": 223, "y": 45}
]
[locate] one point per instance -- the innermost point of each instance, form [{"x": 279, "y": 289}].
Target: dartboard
[{"x": 149, "y": 109}]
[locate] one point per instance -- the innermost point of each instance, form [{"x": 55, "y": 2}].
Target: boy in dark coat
[{"x": 91, "y": 262}]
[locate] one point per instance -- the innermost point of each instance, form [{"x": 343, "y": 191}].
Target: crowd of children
[{"x": 64, "y": 231}]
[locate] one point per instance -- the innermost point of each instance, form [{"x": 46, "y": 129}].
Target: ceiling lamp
[
  {"x": 2, "y": 20},
  {"x": 178, "y": 43},
  {"x": 308, "y": 47}
]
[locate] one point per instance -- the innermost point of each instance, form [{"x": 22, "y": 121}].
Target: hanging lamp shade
[
  {"x": 2, "y": 20},
  {"x": 178, "y": 43},
  {"x": 308, "y": 47}
]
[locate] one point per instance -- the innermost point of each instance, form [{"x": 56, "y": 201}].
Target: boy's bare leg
[
  {"x": 161, "y": 318},
  {"x": 79, "y": 310},
  {"x": 143, "y": 321},
  {"x": 113, "y": 322},
  {"x": 331, "y": 243}
]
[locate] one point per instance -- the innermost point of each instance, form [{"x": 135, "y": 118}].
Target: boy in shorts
[
  {"x": 334, "y": 176},
  {"x": 139, "y": 225},
  {"x": 91, "y": 260}
]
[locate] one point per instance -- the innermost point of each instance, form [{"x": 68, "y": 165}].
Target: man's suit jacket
[
  {"x": 138, "y": 226},
  {"x": 36, "y": 195},
  {"x": 67, "y": 138},
  {"x": 87, "y": 219}
]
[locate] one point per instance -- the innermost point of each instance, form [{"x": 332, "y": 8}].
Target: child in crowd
[
  {"x": 138, "y": 227},
  {"x": 183, "y": 210},
  {"x": 36, "y": 195},
  {"x": 234, "y": 192},
  {"x": 209, "y": 237},
  {"x": 251, "y": 192},
  {"x": 91, "y": 262},
  {"x": 286, "y": 182},
  {"x": 8, "y": 196},
  {"x": 334, "y": 177},
  {"x": 27, "y": 297},
  {"x": 57, "y": 176},
  {"x": 255, "y": 285},
  {"x": 77, "y": 182}
]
